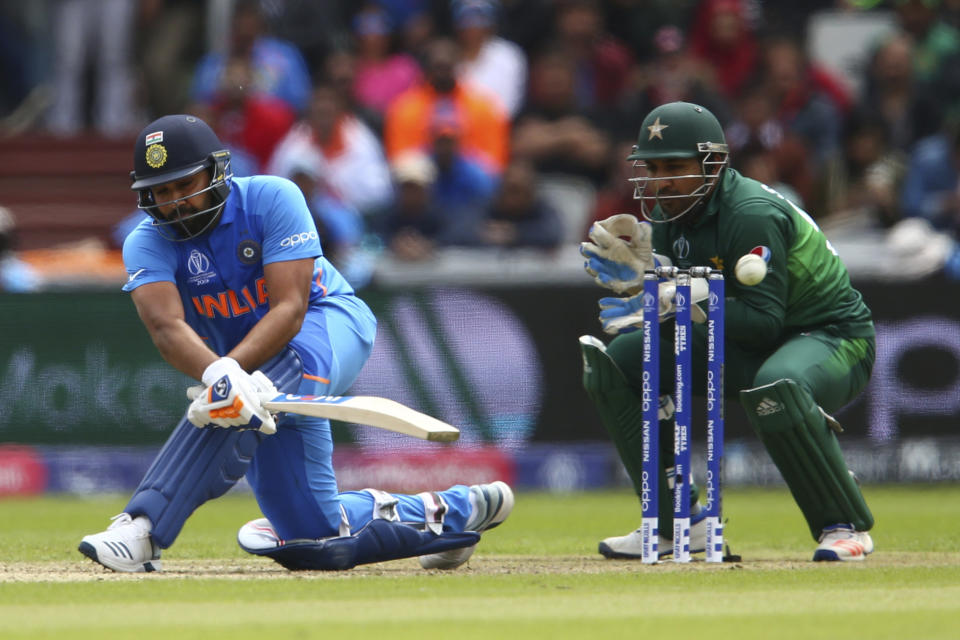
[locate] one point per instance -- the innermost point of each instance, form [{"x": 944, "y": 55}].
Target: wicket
[{"x": 650, "y": 528}]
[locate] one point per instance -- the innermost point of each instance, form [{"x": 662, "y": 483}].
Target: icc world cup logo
[{"x": 198, "y": 263}]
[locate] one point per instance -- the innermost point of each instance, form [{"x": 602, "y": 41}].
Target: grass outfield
[{"x": 538, "y": 576}]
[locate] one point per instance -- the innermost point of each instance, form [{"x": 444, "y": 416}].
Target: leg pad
[
  {"x": 806, "y": 451},
  {"x": 380, "y": 540}
]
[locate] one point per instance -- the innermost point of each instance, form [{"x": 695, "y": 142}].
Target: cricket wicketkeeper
[
  {"x": 800, "y": 343},
  {"x": 229, "y": 278}
]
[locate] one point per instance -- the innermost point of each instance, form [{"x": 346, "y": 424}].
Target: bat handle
[{"x": 194, "y": 391}]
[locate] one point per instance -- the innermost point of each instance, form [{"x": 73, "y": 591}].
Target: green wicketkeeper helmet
[{"x": 679, "y": 130}]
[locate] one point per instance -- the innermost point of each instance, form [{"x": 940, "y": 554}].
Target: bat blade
[{"x": 373, "y": 411}]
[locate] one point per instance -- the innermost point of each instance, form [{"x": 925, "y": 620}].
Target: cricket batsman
[
  {"x": 229, "y": 278},
  {"x": 799, "y": 342}
]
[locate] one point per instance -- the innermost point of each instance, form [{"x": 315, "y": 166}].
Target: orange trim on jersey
[
  {"x": 323, "y": 289},
  {"x": 316, "y": 378}
]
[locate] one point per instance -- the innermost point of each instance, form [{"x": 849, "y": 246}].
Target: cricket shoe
[
  {"x": 126, "y": 546},
  {"x": 630, "y": 546},
  {"x": 843, "y": 543},
  {"x": 493, "y": 503},
  {"x": 258, "y": 535}
]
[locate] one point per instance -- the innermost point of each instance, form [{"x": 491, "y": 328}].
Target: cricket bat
[{"x": 373, "y": 411}]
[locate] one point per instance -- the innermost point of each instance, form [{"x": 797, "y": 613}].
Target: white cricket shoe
[
  {"x": 258, "y": 535},
  {"x": 126, "y": 545},
  {"x": 843, "y": 543},
  {"x": 630, "y": 546},
  {"x": 494, "y": 502}
]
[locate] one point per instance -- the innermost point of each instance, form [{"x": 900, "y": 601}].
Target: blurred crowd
[{"x": 416, "y": 125}]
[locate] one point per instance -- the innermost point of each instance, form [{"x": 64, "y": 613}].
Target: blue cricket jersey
[{"x": 220, "y": 273}]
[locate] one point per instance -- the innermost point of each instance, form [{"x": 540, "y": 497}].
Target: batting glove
[{"x": 232, "y": 399}]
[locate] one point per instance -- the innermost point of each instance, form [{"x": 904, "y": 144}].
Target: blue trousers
[{"x": 291, "y": 472}]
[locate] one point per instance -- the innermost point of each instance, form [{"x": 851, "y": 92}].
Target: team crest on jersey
[
  {"x": 198, "y": 265},
  {"x": 156, "y": 156},
  {"x": 248, "y": 252}
]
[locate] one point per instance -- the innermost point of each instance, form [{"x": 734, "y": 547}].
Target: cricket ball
[{"x": 751, "y": 269}]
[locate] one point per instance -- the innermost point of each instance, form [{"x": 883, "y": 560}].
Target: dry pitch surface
[
  {"x": 537, "y": 576},
  {"x": 82, "y": 570}
]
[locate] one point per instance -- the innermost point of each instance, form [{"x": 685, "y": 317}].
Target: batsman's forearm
[
  {"x": 182, "y": 348},
  {"x": 268, "y": 336}
]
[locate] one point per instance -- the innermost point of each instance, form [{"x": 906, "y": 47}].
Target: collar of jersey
[
  {"x": 713, "y": 204},
  {"x": 229, "y": 209}
]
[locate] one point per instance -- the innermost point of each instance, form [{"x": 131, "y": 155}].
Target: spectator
[
  {"x": 522, "y": 21},
  {"x": 635, "y": 23},
  {"x": 381, "y": 73},
  {"x": 806, "y": 102},
  {"x": 340, "y": 147},
  {"x": 894, "y": 95},
  {"x": 101, "y": 30},
  {"x": 249, "y": 122},
  {"x": 489, "y": 62},
  {"x": 168, "y": 42},
  {"x": 936, "y": 40},
  {"x": 16, "y": 276},
  {"x": 554, "y": 132},
  {"x": 565, "y": 143},
  {"x": 601, "y": 63},
  {"x": 463, "y": 188},
  {"x": 413, "y": 227},
  {"x": 723, "y": 38},
  {"x": 518, "y": 217},
  {"x": 616, "y": 194},
  {"x": 486, "y": 127},
  {"x": 312, "y": 27},
  {"x": 931, "y": 189},
  {"x": 23, "y": 97},
  {"x": 757, "y": 129},
  {"x": 279, "y": 69},
  {"x": 671, "y": 75},
  {"x": 340, "y": 225},
  {"x": 760, "y": 163},
  {"x": 415, "y": 22},
  {"x": 865, "y": 183}
]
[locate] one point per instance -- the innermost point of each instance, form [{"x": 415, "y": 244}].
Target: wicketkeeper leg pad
[
  {"x": 197, "y": 465},
  {"x": 805, "y": 449},
  {"x": 621, "y": 412},
  {"x": 378, "y": 541}
]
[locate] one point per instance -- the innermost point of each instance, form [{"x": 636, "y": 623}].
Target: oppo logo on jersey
[
  {"x": 299, "y": 238},
  {"x": 229, "y": 303}
]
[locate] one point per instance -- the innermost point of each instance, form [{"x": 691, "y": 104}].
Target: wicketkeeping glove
[
  {"x": 621, "y": 315},
  {"x": 618, "y": 253}
]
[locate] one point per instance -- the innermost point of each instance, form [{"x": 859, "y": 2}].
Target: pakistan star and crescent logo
[
  {"x": 656, "y": 129},
  {"x": 717, "y": 262}
]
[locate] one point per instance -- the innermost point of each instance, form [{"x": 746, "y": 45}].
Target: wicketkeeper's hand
[
  {"x": 619, "y": 252},
  {"x": 232, "y": 398},
  {"x": 621, "y": 315}
]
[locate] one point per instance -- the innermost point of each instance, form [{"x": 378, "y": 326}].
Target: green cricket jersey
[{"x": 807, "y": 285}]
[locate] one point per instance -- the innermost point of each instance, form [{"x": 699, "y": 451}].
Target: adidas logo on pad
[{"x": 768, "y": 407}]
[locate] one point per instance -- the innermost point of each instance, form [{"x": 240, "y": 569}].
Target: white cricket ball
[{"x": 751, "y": 269}]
